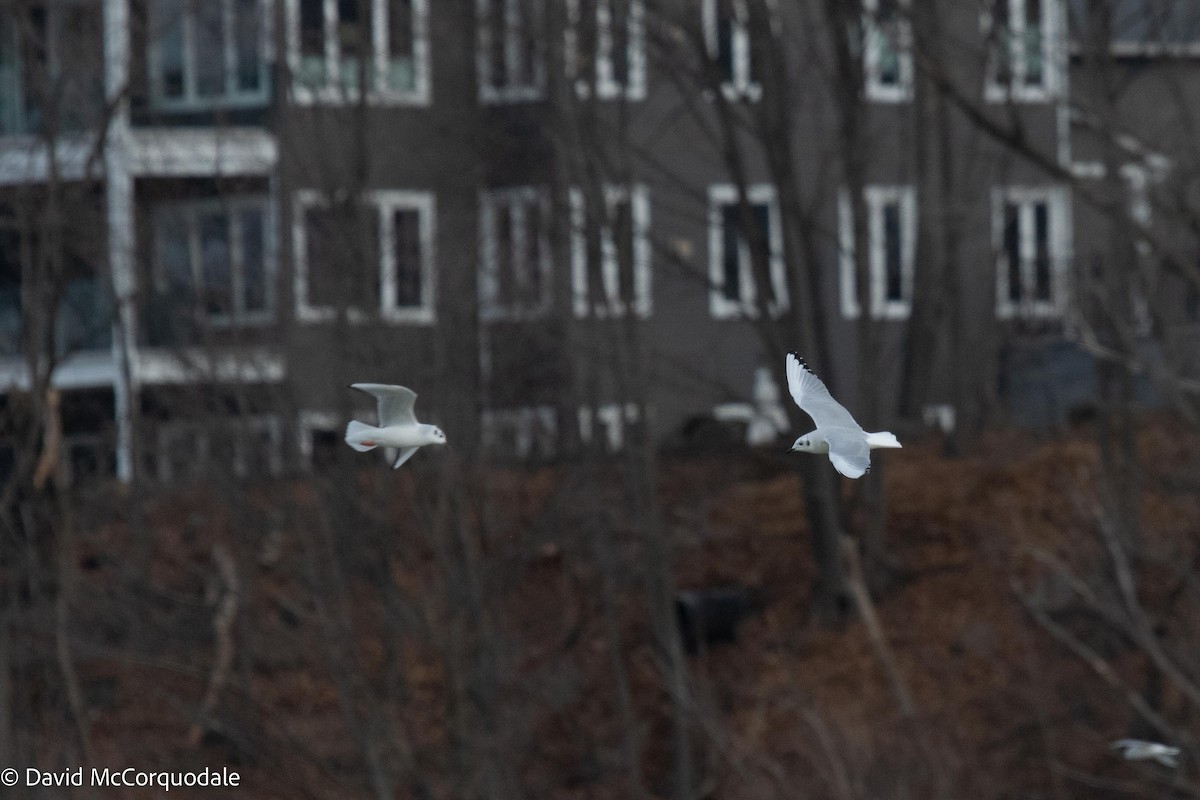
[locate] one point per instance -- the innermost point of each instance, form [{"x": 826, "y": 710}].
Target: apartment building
[{"x": 217, "y": 214}]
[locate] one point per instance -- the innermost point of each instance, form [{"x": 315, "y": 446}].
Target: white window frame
[
  {"x": 310, "y": 421},
  {"x": 192, "y": 210},
  {"x": 719, "y": 197},
  {"x": 232, "y": 97},
  {"x": 384, "y": 202},
  {"x": 877, "y": 197},
  {"x": 613, "y": 417},
  {"x": 606, "y": 85},
  {"x": 536, "y": 429},
  {"x": 611, "y": 305},
  {"x": 489, "y": 92},
  {"x": 333, "y": 91},
  {"x": 520, "y": 199},
  {"x": 1059, "y": 243},
  {"x": 1054, "y": 48},
  {"x": 873, "y": 39},
  {"x": 742, "y": 87},
  {"x": 170, "y": 430}
]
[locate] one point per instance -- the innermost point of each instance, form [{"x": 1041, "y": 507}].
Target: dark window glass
[
  {"x": 892, "y": 253},
  {"x": 215, "y": 267},
  {"x": 1012, "y": 250},
  {"x": 312, "y": 28},
  {"x": 531, "y": 263},
  {"x": 247, "y": 30},
  {"x": 619, "y": 26},
  {"x": 725, "y": 29},
  {"x": 10, "y": 289},
  {"x": 623, "y": 241},
  {"x": 254, "y": 277},
  {"x": 208, "y": 43},
  {"x": 1042, "y": 288},
  {"x": 504, "y": 257},
  {"x": 407, "y": 223},
  {"x": 731, "y": 253}
]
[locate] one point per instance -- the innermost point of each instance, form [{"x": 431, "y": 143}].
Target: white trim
[
  {"x": 527, "y": 87},
  {"x": 382, "y": 202},
  {"x": 612, "y": 304},
  {"x": 606, "y": 85},
  {"x": 232, "y": 96},
  {"x": 202, "y": 152},
  {"x": 874, "y": 39},
  {"x": 174, "y": 366},
  {"x": 332, "y": 90},
  {"x": 721, "y": 196},
  {"x": 1026, "y": 198},
  {"x": 1053, "y": 47},
  {"x": 519, "y": 200},
  {"x": 26, "y": 159},
  {"x": 742, "y": 85},
  {"x": 877, "y": 198},
  {"x": 84, "y": 369}
]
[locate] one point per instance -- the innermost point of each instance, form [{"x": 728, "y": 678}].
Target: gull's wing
[
  {"x": 848, "y": 451},
  {"x": 811, "y": 395},
  {"x": 405, "y": 454},
  {"x": 395, "y": 403}
]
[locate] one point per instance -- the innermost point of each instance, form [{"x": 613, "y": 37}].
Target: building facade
[{"x": 557, "y": 221}]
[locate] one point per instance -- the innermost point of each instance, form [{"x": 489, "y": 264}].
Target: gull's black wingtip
[{"x": 803, "y": 363}]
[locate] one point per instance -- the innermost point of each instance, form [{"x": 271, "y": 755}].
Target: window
[
  {"x": 510, "y": 61},
  {"x": 207, "y": 53},
  {"x": 514, "y": 279},
  {"x": 605, "y": 49},
  {"x": 1022, "y": 50},
  {"x": 887, "y": 61},
  {"x": 733, "y": 291},
  {"x": 83, "y": 317},
  {"x": 214, "y": 261},
  {"x": 373, "y": 253},
  {"x": 10, "y": 288},
  {"x": 250, "y": 446},
  {"x": 610, "y": 255},
  {"x": 51, "y": 67},
  {"x": 337, "y": 47},
  {"x": 320, "y": 439},
  {"x": 520, "y": 433},
  {"x": 727, "y": 34},
  {"x": 615, "y": 421},
  {"x": 891, "y": 236},
  {"x": 1031, "y": 240}
]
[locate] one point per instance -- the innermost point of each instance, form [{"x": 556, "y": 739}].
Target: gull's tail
[
  {"x": 359, "y": 435},
  {"x": 882, "y": 439}
]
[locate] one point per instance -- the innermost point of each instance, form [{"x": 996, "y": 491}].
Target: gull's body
[
  {"x": 398, "y": 426},
  {"x": 1140, "y": 750},
  {"x": 837, "y": 433}
]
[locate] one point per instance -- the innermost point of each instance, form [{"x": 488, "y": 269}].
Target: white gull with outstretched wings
[
  {"x": 837, "y": 433},
  {"x": 398, "y": 426}
]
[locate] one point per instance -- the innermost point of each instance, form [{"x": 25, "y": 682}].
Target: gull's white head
[
  {"x": 437, "y": 436},
  {"x": 805, "y": 444}
]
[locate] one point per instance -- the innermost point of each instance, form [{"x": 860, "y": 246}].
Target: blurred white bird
[
  {"x": 848, "y": 445},
  {"x": 398, "y": 426},
  {"x": 1140, "y": 750}
]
